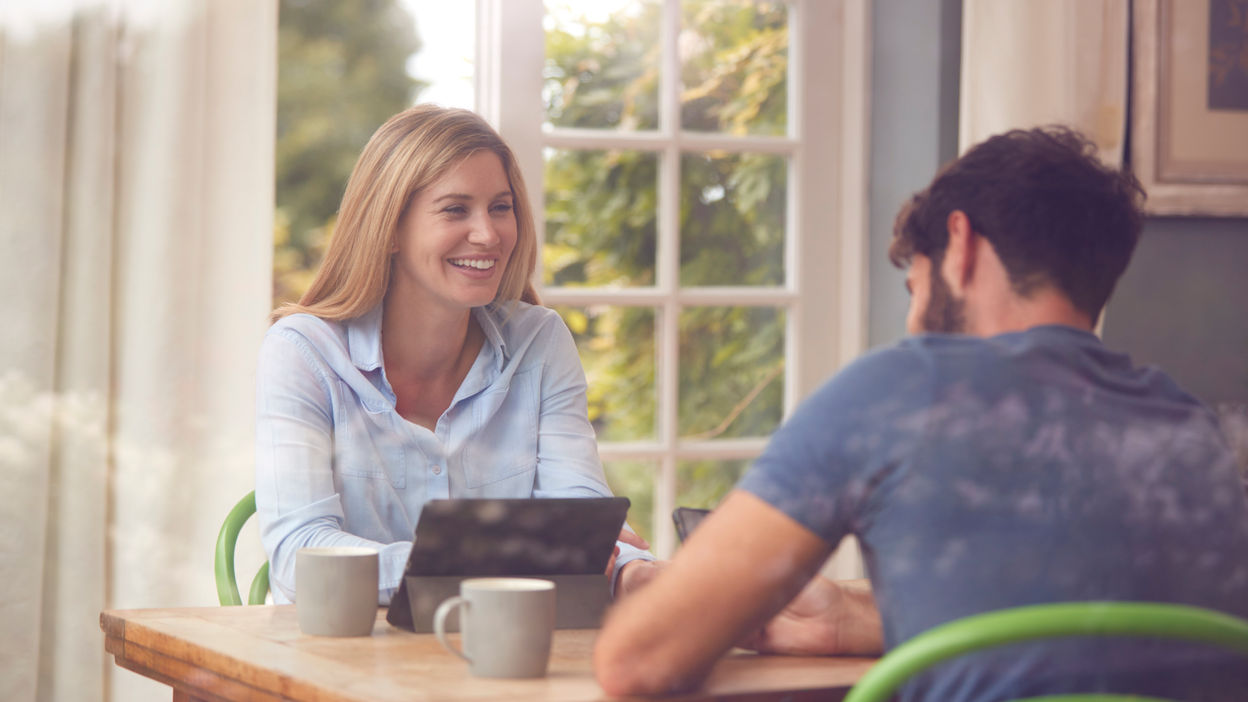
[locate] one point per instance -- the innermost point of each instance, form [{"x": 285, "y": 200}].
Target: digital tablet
[{"x": 538, "y": 537}]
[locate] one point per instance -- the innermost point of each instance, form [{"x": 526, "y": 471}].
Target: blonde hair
[{"x": 407, "y": 154}]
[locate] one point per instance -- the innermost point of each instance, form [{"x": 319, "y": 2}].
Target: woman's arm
[
  {"x": 567, "y": 450},
  {"x": 297, "y": 503}
]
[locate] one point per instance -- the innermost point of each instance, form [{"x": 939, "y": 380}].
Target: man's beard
[{"x": 945, "y": 314}]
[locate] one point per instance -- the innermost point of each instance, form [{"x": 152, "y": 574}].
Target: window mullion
[
  {"x": 566, "y": 138},
  {"x": 511, "y": 49},
  {"x": 668, "y": 346},
  {"x": 687, "y": 297}
]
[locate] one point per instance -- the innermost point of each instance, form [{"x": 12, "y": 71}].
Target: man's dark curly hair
[{"x": 1055, "y": 215}]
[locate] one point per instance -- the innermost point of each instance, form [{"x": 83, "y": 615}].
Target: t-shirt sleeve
[{"x": 820, "y": 467}]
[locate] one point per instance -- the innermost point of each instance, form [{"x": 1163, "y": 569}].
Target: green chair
[
  {"x": 223, "y": 565},
  {"x": 973, "y": 633}
]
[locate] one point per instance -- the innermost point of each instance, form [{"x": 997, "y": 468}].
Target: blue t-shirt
[{"x": 1030, "y": 467}]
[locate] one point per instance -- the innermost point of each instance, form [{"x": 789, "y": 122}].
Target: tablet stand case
[{"x": 565, "y": 540}]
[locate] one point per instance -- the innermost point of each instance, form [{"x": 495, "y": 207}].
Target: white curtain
[
  {"x": 136, "y": 179},
  {"x": 1032, "y": 62}
]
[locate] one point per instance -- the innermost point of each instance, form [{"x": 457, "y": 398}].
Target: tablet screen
[{"x": 532, "y": 536}]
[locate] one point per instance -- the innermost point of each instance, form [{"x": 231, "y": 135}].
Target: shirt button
[{"x": 437, "y": 470}]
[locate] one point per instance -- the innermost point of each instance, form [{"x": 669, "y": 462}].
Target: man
[{"x": 1000, "y": 456}]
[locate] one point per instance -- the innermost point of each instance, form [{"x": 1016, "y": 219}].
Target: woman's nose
[{"x": 483, "y": 231}]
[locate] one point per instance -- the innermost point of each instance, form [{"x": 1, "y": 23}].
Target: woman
[{"x": 419, "y": 364}]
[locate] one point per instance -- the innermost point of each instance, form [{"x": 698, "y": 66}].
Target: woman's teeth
[{"x": 479, "y": 264}]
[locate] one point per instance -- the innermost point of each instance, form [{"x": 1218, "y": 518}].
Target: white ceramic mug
[
  {"x": 336, "y": 590},
  {"x": 506, "y": 623}
]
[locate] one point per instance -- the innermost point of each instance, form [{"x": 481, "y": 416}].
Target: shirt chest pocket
[
  {"x": 367, "y": 446},
  {"x": 503, "y": 447}
]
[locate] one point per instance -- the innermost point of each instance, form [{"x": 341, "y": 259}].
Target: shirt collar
[
  {"x": 364, "y": 339},
  {"x": 364, "y": 336},
  {"x": 490, "y": 318}
]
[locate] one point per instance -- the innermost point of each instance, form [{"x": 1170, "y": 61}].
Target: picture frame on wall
[{"x": 1189, "y": 123}]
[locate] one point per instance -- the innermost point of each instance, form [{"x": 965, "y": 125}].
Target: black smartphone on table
[{"x": 686, "y": 518}]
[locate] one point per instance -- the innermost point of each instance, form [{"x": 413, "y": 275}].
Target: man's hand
[{"x": 826, "y": 618}]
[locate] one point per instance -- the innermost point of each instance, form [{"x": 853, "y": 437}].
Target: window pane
[
  {"x": 635, "y": 480},
  {"x": 342, "y": 70},
  {"x": 600, "y": 218},
  {"x": 734, "y": 66},
  {"x": 616, "y": 345},
  {"x": 731, "y": 371},
  {"x": 602, "y": 64},
  {"x": 732, "y": 214},
  {"x": 704, "y": 483},
  {"x": 444, "y": 63}
]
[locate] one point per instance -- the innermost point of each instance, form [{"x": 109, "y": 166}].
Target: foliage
[
  {"x": 602, "y": 223},
  {"x": 601, "y": 207},
  {"x": 341, "y": 73},
  {"x": 603, "y": 75}
]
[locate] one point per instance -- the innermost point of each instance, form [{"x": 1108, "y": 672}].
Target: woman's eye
[
  {"x": 502, "y": 208},
  {"x": 455, "y": 210}
]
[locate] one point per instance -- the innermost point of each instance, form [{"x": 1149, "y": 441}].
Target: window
[
  {"x": 702, "y": 167},
  {"x": 698, "y": 168}
]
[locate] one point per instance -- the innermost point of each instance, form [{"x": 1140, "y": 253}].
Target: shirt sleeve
[
  {"x": 297, "y": 503},
  {"x": 821, "y": 466},
  {"x": 567, "y": 449}
]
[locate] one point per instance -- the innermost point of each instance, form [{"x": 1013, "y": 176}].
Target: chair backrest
[
  {"x": 980, "y": 631},
  {"x": 223, "y": 562}
]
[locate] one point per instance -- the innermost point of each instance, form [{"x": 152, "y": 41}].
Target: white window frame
[{"x": 824, "y": 294}]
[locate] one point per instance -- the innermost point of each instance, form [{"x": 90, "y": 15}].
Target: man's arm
[{"x": 743, "y": 564}]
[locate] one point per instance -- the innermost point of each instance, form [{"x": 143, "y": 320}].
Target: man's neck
[{"x": 1012, "y": 313}]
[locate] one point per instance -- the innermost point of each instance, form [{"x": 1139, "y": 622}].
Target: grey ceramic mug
[
  {"x": 336, "y": 590},
  {"x": 507, "y": 624}
]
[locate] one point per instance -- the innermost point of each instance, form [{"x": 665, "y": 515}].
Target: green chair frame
[
  {"x": 1001, "y": 627},
  {"x": 223, "y": 563}
]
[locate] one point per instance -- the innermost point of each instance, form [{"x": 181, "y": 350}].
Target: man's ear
[{"x": 958, "y": 265}]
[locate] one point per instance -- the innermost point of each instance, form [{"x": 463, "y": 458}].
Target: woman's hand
[
  {"x": 629, "y": 538},
  {"x": 632, "y": 578},
  {"x": 636, "y": 574}
]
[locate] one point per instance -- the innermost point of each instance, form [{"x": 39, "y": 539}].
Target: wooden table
[{"x": 258, "y": 653}]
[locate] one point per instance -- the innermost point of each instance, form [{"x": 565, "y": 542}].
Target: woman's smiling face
[{"x": 456, "y": 237}]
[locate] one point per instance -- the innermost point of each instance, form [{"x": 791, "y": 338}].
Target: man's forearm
[{"x": 743, "y": 563}]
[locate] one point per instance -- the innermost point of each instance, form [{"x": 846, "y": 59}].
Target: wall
[
  {"x": 1183, "y": 305},
  {"x": 916, "y": 48}
]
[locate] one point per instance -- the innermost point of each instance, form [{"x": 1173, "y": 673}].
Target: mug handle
[{"x": 439, "y": 623}]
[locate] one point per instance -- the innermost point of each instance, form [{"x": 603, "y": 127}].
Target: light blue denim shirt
[{"x": 336, "y": 465}]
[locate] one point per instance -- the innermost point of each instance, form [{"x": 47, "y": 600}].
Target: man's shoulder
[
  {"x": 877, "y": 389},
  {"x": 881, "y": 372}
]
